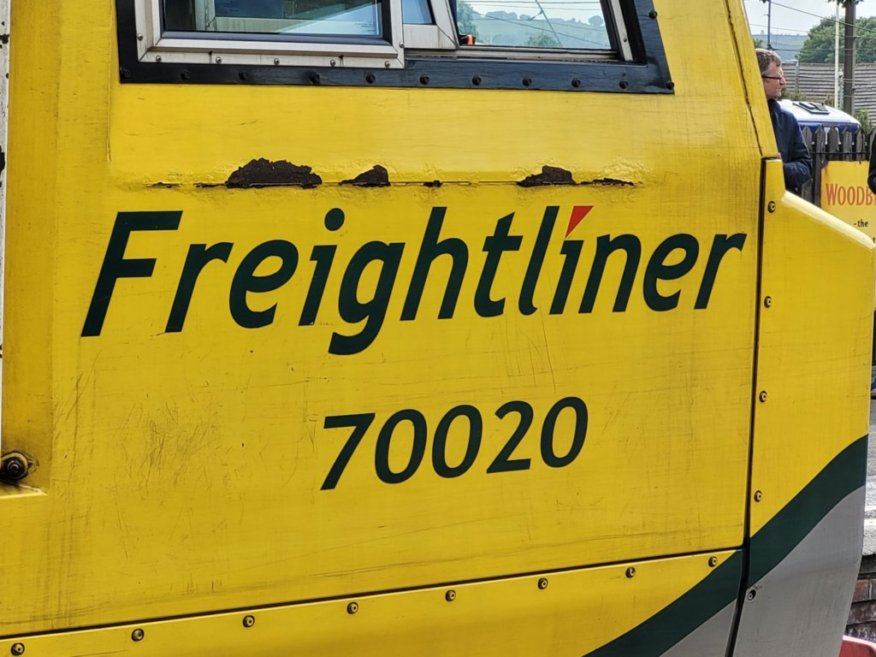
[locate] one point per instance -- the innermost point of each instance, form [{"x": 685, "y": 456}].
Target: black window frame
[{"x": 647, "y": 73}]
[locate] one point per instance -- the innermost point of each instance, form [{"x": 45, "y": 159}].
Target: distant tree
[
  {"x": 596, "y": 21},
  {"x": 818, "y": 47},
  {"x": 465, "y": 19},
  {"x": 864, "y": 117},
  {"x": 502, "y": 15},
  {"x": 542, "y": 40},
  {"x": 758, "y": 43}
]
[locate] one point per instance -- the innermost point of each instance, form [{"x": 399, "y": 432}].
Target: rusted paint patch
[
  {"x": 548, "y": 176},
  {"x": 265, "y": 173},
  {"x": 376, "y": 176},
  {"x": 609, "y": 182},
  {"x": 164, "y": 185}
]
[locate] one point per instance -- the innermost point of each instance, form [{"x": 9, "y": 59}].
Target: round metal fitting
[
  {"x": 352, "y": 608},
  {"x": 542, "y": 583},
  {"x": 771, "y": 206},
  {"x": 248, "y": 620},
  {"x": 17, "y": 649},
  {"x": 631, "y": 572},
  {"x": 14, "y": 466},
  {"x": 218, "y": 60},
  {"x": 762, "y": 395},
  {"x": 713, "y": 561},
  {"x": 138, "y": 634},
  {"x": 767, "y": 302},
  {"x": 158, "y": 58},
  {"x": 751, "y": 594},
  {"x": 276, "y": 61},
  {"x": 758, "y": 495},
  {"x": 139, "y": 37},
  {"x": 450, "y": 595},
  {"x": 652, "y": 14}
]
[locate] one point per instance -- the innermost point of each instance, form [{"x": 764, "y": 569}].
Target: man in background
[{"x": 795, "y": 155}]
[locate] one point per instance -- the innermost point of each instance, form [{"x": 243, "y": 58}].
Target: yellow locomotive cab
[{"x": 419, "y": 328}]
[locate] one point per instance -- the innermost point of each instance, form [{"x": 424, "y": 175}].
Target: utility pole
[
  {"x": 769, "y": 43},
  {"x": 836, "y": 70},
  {"x": 849, "y": 59}
]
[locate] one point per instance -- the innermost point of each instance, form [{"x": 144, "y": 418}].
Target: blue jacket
[{"x": 795, "y": 155}]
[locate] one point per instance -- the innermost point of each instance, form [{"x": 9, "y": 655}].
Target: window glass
[
  {"x": 416, "y": 12},
  {"x": 301, "y": 17},
  {"x": 563, "y": 24}
]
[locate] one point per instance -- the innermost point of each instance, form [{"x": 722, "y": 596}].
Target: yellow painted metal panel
[
  {"x": 813, "y": 391},
  {"x": 568, "y": 613},
  {"x": 182, "y": 470}
]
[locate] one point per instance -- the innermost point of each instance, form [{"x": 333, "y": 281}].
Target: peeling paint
[
  {"x": 609, "y": 182},
  {"x": 376, "y": 176},
  {"x": 549, "y": 176},
  {"x": 265, "y": 173},
  {"x": 164, "y": 185}
]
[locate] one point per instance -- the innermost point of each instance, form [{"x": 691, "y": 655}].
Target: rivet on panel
[
  {"x": 139, "y": 37},
  {"x": 158, "y": 58},
  {"x": 751, "y": 594},
  {"x": 450, "y": 595},
  {"x": 767, "y": 302},
  {"x": 758, "y": 496},
  {"x": 542, "y": 583},
  {"x": 352, "y": 608},
  {"x": 248, "y": 620},
  {"x": 762, "y": 395},
  {"x": 138, "y": 634},
  {"x": 17, "y": 649},
  {"x": 276, "y": 61},
  {"x": 218, "y": 60},
  {"x": 713, "y": 561},
  {"x": 771, "y": 206},
  {"x": 631, "y": 572}
]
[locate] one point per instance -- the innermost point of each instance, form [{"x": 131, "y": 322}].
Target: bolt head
[
  {"x": 17, "y": 649},
  {"x": 138, "y": 634},
  {"x": 631, "y": 572},
  {"x": 352, "y": 608}
]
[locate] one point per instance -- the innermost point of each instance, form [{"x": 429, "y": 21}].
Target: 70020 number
[{"x": 504, "y": 461}]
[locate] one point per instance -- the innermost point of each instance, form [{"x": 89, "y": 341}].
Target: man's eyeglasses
[{"x": 773, "y": 77}]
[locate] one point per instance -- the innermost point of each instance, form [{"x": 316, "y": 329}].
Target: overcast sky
[{"x": 797, "y": 16}]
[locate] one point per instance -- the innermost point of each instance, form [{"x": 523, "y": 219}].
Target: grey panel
[
  {"x": 800, "y": 607},
  {"x": 709, "y": 639}
]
